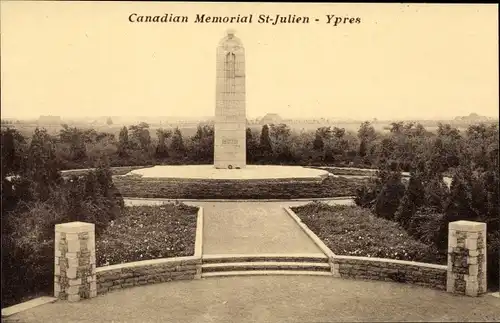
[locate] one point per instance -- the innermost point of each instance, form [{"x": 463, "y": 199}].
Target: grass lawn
[
  {"x": 148, "y": 232},
  {"x": 353, "y": 231}
]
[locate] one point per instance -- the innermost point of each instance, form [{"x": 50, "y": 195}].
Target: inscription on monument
[{"x": 229, "y": 141}]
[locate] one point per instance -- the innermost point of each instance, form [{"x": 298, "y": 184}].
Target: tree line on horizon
[{"x": 404, "y": 143}]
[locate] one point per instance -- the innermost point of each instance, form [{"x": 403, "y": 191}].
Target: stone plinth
[
  {"x": 74, "y": 272},
  {"x": 230, "y": 111},
  {"x": 466, "y": 273}
]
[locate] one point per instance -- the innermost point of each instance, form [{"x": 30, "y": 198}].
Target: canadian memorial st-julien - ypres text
[{"x": 274, "y": 19}]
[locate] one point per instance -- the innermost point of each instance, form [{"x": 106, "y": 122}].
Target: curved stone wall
[{"x": 147, "y": 272}]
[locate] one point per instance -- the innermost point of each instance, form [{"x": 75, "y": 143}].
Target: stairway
[{"x": 265, "y": 264}]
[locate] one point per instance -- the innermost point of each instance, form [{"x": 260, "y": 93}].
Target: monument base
[
  {"x": 252, "y": 182},
  {"x": 272, "y": 172}
]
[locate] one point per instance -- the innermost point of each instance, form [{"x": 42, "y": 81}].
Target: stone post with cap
[
  {"x": 466, "y": 273},
  {"x": 75, "y": 261}
]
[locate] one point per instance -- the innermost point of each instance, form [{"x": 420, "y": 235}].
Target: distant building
[
  {"x": 473, "y": 117},
  {"x": 271, "y": 118},
  {"x": 50, "y": 120}
]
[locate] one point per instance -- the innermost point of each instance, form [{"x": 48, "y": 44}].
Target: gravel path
[{"x": 270, "y": 299}]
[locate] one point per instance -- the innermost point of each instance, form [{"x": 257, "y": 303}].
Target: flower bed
[
  {"x": 135, "y": 186},
  {"x": 148, "y": 232},
  {"x": 353, "y": 231}
]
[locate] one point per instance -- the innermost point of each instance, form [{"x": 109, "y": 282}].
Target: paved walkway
[
  {"x": 251, "y": 228},
  {"x": 269, "y": 299}
]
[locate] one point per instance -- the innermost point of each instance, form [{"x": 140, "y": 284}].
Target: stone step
[
  {"x": 265, "y": 273},
  {"x": 265, "y": 265},
  {"x": 232, "y": 258}
]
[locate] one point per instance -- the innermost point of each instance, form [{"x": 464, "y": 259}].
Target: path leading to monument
[
  {"x": 251, "y": 228},
  {"x": 269, "y": 299}
]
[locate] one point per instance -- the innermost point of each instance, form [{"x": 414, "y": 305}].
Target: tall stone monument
[{"x": 230, "y": 110}]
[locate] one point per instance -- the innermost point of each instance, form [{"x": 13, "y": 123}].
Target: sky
[{"x": 77, "y": 59}]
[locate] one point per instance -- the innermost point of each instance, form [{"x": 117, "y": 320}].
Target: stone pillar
[
  {"x": 466, "y": 258},
  {"x": 230, "y": 108},
  {"x": 74, "y": 272}
]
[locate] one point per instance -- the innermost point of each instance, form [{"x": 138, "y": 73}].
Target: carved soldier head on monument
[{"x": 231, "y": 43}]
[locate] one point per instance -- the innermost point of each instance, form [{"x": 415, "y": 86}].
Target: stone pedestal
[
  {"x": 74, "y": 272},
  {"x": 466, "y": 258}
]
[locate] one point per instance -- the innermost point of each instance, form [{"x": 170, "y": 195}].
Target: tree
[
  {"x": 318, "y": 143},
  {"x": 265, "y": 141},
  {"x": 490, "y": 182},
  {"x": 12, "y": 146},
  {"x": 435, "y": 193},
  {"x": 12, "y": 160},
  {"x": 412, "y": 200},
  {"x": 177, "y": 144},
  {"x": 203, "y": 144},
  {"x": 385, "y": 151},
  {"x": 42, "y": 165},
  {"x": 339, "y": 145},
  {"x": 366, "y": 132},
  {"x": 123, "y": 143},
  {"x": 391, "y": 193},
  {"x": 362, "y": 148},
  {"x": 322, "y": 138},
  {"x": 161, "y": 148},
  {"x": 252, "y": 148},
  {"x": 75, "y": 138},
  {"x": 366, "y": 136},
  {"x": 140, "y": 137},
  {"x": 397, "y": 127},
  {"x": 109, "y": 121},
  {"x": 481, "y": 145},
  {"x": 110, "y": 198},
  {"x": 460, "y": 204},
  {"x": 280, "y": 142},
  {"x": 104, "y": 148},
  {"x": 366, "y": 195}
]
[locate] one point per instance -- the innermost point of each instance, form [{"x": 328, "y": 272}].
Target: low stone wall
[
  {"x": 417, "y": 273},
  {"x": 134, "y": 186},
  {"x": 146, "y": 272}
]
